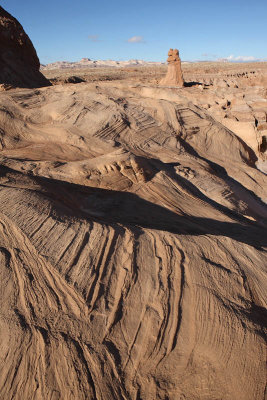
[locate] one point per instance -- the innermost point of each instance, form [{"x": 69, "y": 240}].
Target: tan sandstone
[
  {"x": 133, "y": 245},
  {"x": 174, "y": 76}
]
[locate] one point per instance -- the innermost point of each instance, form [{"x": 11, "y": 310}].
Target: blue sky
[{"x": 141, "y": 29}]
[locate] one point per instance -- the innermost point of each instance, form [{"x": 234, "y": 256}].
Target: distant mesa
[
  {"x": 19, "y": 63},
  {"x": 174, "y": 76},
  {"x": 89, "y": 63}
]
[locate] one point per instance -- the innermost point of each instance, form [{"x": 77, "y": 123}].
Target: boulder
[{"x": 19, "y": 63}]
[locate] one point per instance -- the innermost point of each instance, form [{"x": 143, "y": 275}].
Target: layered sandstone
[
  {"x": 174, "y": 76},
  {"x": 132, "y": 249},
  {"x": 19, "y": 63},
  {"x": 132, "y": 243}
]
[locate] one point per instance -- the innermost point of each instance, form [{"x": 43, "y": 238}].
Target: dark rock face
[
  {"x": 74, "y": 79},
  {"x": 19, "y": 63}
]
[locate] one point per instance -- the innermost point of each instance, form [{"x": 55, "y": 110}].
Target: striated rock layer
[
  {"x": 19, "y": 64},
  {"x": 132, "y": 246}
]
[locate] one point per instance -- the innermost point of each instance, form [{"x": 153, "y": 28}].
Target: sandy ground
[{"x": 133, "y": 236}]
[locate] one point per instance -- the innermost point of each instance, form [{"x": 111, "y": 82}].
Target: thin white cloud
[
  {"x": 234, "y": 58},
  {"x": 94, "y": 38},
  {"x": 241, "y": 58},
  {"x": 136, "y": 39},
  {"x": 208, "y": 55}
]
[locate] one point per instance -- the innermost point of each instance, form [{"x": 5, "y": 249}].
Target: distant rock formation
[
  {"x": 88, "y": 63},
  {"x": 174, "y": 76},
  {"x": 19, "y": 63}
]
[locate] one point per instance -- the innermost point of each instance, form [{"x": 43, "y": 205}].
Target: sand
[{"x": 133, "y": 239}]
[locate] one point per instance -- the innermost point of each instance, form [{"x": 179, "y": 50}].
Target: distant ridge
[{"x": 88, "y": 63}]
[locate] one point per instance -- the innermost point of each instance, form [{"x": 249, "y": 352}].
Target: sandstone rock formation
[
  {"x": 233, "y": 94},
  {"x": 174, "y": 76},
  {"x": 132, "y": 237},
  {"x": 19, "y": 64},
  {"x": 132, "y": 248}
]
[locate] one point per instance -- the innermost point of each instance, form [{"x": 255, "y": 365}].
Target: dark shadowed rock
[
  {"x": 19, "y": 63},
  {"x": 74, "y": 79}
]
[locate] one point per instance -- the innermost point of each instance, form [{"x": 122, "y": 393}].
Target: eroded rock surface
[
  {"x": 19, "y": 64},
  {"x": 174, "y": 76},
  {"x": 132, "y": 248}
]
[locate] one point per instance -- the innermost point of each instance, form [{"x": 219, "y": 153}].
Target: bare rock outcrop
[
  {"x": 133, "y": 244},
  {"x": 19, "y": 63},
  {"x": 132, "y": 249},
  {"x": 174, "y": 76}
]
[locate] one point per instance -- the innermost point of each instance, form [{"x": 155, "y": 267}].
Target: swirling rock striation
[{"x": 132, "y": 249}]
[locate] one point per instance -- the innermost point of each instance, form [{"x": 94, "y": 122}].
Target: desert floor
[{"x": 133, "y": 235}]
